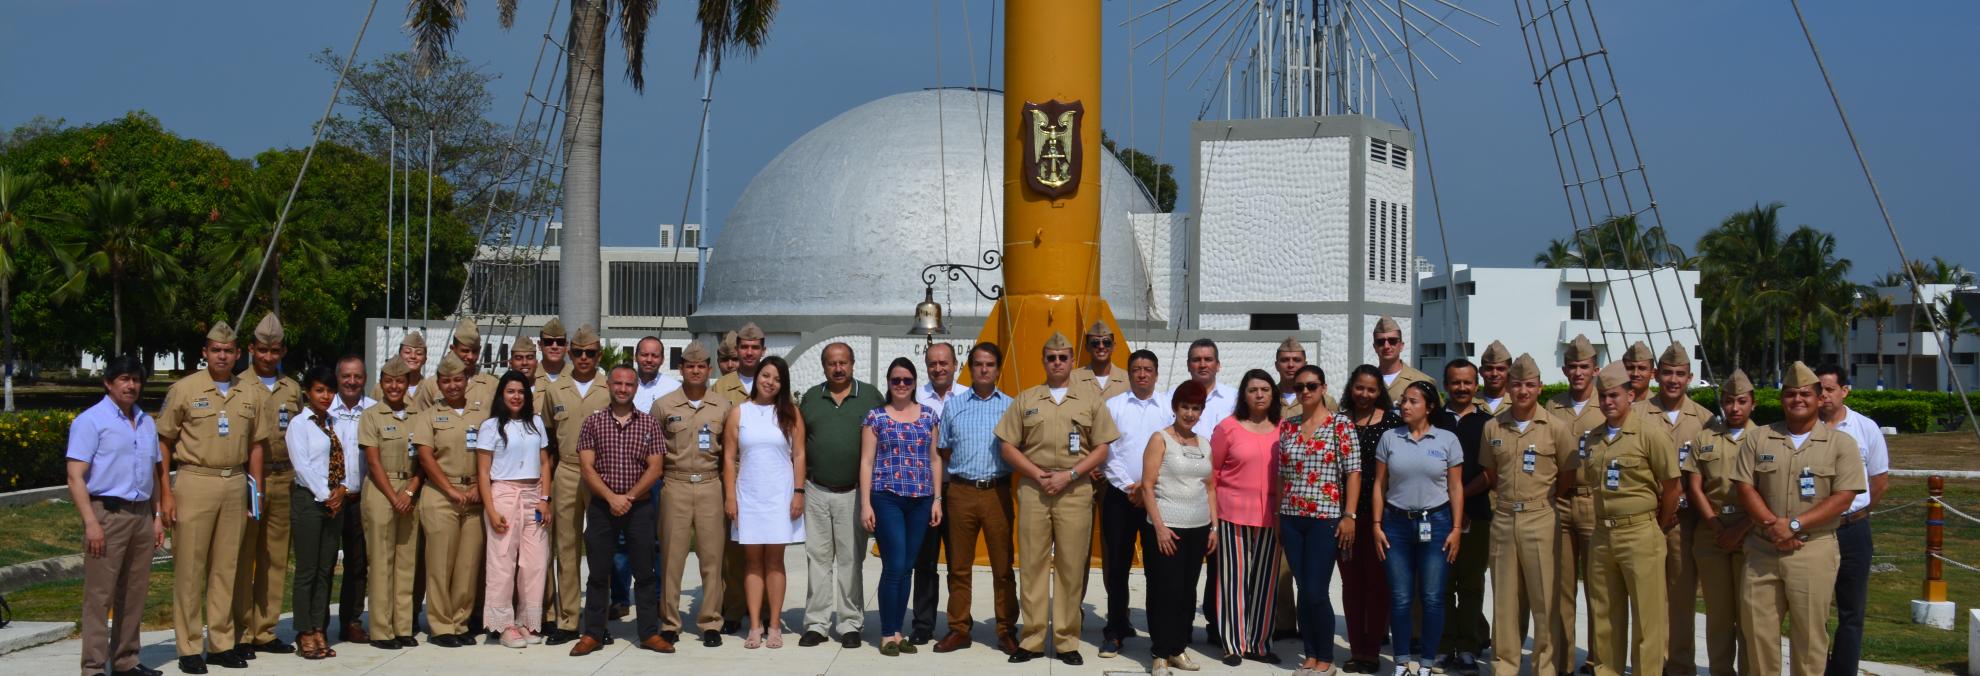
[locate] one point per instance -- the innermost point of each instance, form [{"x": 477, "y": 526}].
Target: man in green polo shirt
[{"x": 834, "y": 543}]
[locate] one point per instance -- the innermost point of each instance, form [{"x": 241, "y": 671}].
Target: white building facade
[
  {"x": 1911, "y": 356},
  {"x": 1538, "y": 311}
]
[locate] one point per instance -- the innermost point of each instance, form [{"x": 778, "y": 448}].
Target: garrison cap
[
  {"x": 1292, "y": 344},
  {"x": 221, "y": 333},
  {"x": 727, "y": 348},
  {"x": 1387, "y": 324},
  {"x": 1675, "y": 356},
  {"x": 269, "y": 330},
  {"x": 413, "y": 339},
  {"x": 694, "y": 353},
  {"x": 1799, "y": 375},
  {"x": 451, "y": 365},
  {"x": 1736, "y": 385},
  {"x": 1099, "y": 329},
  {"x": 466, "y": 333},
  {"x": 1496, "y": 353},
  {"x": 1057, "y": 342},
  {"x": 1612, "y": 376},
  {"x": 585, "y": 336},
  {"x": 395, "y": 368},
  {"x": 1639, "y": 351},
  {"x": 749, "y": 332},
  {"x": 552, "y": 329},
  {"x": 1524, "y": 368},
  {"x": 523, "y": 345},
  {"x": 1579, "y": 350}
]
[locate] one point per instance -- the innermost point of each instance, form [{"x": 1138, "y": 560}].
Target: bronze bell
[{"x": 928, "y": 316}]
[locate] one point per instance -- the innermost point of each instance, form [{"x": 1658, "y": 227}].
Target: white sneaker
[{"x": 1404, "y": 670}]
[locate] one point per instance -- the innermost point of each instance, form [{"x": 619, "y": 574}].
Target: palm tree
[
  {"x": 1560, "y": 253},
  {"x": 119, "y": 249},
  {"x": 14, "y": 227},
  {"x": 1878, "y": 308},
  {"x": 1741, "y": 262},
  {"x": 726, "y": 26},
  {"x": 1952, "y": 317},
  {"x": 1815, "y": 278},
  {"x": 243, "y": 236}
]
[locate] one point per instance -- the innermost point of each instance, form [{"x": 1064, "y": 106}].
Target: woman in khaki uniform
[
  {"x": 391, "y": 527},
  {"x": 450, "y": 510},
  {"x": 1718, "y": 545},
  {"x": 1523, "y": 449}
]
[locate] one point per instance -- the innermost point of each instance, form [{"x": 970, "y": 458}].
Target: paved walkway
[{"x": 620, "y": 658}]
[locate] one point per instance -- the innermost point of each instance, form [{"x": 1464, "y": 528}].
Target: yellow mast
[{"x": 1052, "y": 169}]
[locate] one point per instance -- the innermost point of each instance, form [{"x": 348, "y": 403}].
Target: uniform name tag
[
  {"x": 1030, "y": 412},
  {"x": 673, "y": 419},
  {"x": 1614, "y": 478},
  {"x": 202, "y": 404},
  {"x": 1072, "y": 441},
  {"x": 558, "y": 408},
  {"x": 1529, "y": 460},
  {"x": 1807, "y": 482},
  {"x": 1423, "y": 530},
  {"x": 225, "y": 426},
  {"x": 1766, "y": 457},
  {"x": 1708, "y": 448}
]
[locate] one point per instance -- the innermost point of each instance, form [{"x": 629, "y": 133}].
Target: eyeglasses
[
  {"x": 900, "y": 382},
  {"x": 1309, "y": 387},
  {"x": 1100, "y": 342},
  {"x": 551, "y": 341},
  {"x": 1389, "y": 341},
  {"x": 593, "y": 352},
  {"x": 1058, "y": 357}
]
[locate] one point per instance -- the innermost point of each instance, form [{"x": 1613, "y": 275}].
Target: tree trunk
[
  {"x": 578, "y": 283},
  {"x": 116, "y": 312},
  {"x": 1780, "y": 349},
  {"x": 1910, "y": 338},
  {"x": 275, "y": 283},
  {"x": 1843, "y": 338},
  {"x": 1880, "y": 353},
  {"x": 7, "y": 336}
]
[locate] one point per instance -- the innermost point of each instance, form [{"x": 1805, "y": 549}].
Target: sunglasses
[
  {"x": 551, "y": 341},
  {"x": 1099, "y": 342},
  {"x": 593, "y": 352},
  {"x": 1053, "y": 358},
  {"x": 1388, "y": 341},
  {"x": 1309, "y": 387},
  {"x": 900, "y": 382}
]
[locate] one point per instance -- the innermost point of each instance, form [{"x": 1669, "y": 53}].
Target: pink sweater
[{"x": 1244, "y": 464}]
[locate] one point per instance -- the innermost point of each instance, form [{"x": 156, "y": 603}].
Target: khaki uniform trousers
[
  {"x": 1572, "y": 544},
  {"x": 566, "y": 588},
  {"x": 206, "y": 547},
  {"x": 691, "y": 514},
  {"x": 259, "y": 580},
  {"x": 1797, "y": 585},
  {"x": 391, "y": 542},
  {"x": 1523, "y": 571},
  {"x": 455, "y": 545},
  {"x": 1681, "y": 600},
  {"x": 1719, "y": 572},
  {"x": 1055, "y": 544},
  {"x": 1625, "y": 578},
  {"x": 114, "y": 587}
]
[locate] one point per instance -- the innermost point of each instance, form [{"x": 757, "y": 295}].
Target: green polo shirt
[{"x": 831, "y": 432}]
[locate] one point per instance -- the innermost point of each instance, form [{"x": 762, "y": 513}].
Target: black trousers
[
  {"x": 602, "y": 531},
  {"x": 350, "y": 598},
  {"x": 1121, "y": 526},
  {"x": 927, "y": 594},
  {"x": 1852, "y": 594},
  {"x": 1171, "y": 594}
]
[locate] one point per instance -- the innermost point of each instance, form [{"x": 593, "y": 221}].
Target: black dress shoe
[
  {"x": 385, "y": 644},
  {"x": 731, "y": 626},
  {"x": 671, "y": 636},
  {"x": 274, "y": 645},
  {"x": 849, "y": 640},
  {"x": 559, "y": 636},
  {"x": 711, "y": 639},
  {"x": 1072, "y": 659},
  {"x": 407, "y": 642},
  {"x": 1110, "y": 647},
  {"x": 810, "y": 638},
  {"x": 1022, "y": 656},
  {"x": 192, "y": 664},
  {"x": 139, "y": 670},
  {"x": 228, "y": 659},
  {"x": 920, "y": 639},
  {"x": 444, "y": 640},
  {"x": 1266, "y": 657},
  {"x": 243, "y": 651},
  {"x": 1233, "y": 660}
]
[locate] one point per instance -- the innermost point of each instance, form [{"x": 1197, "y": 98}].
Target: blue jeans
[
  {"x": 1310, "y": 549},
  {"x": 622, "y": 577},
  {"x": 1418, "y": 574},
  {"x": 899, "y": 524}
]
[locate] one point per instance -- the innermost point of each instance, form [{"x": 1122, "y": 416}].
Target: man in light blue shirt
[
  {"x": 978, "y": 499},
  {"x": 113, "y": 468},
  {"x": 1139, "y": 413}
]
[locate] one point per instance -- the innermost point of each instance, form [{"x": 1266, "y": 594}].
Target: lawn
[
  {"x": 1889, "y": 635},
  {"x": 39, "y": 531},
  {"x": 57, "y": 601},
  {"x": 1944, "y": 450}
]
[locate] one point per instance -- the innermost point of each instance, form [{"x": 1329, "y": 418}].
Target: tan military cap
[
  {"x": 1736, "y": 384},
  {"x": 1639, "y": 351},
  {"x": 1579, "y": 350},
  {"x": 585, "y": 336},
  {"x": 1057, "y": 342},
  {"x": 1496, "y": 353},
  {"x": 220, "y": 333},
  {"x": 1799, "y": 375},
  {"x": 694, "y": 353},
  {"x": 1612, "y": 376},
  {"x": 466, "y": 333},
  {"x": 451, "y": 365},
  {"x": 1675, "y": 355},
  {"x": 727, "y": 348},
  {"x": 1524, "y": 368},
  {"x": 413, "y": 339},
  {"x": 269, "y": 330},
  {"x": 1099, "y": 329},
  {"x": 749, "y": 332},
  {"x": 523, "y": 345},
  {"x": 552, "y": 329},
  {"x": 1387, "y": 324},
  {"x": 1292, "y": 344},
  {"x": 395, "y": 368}
]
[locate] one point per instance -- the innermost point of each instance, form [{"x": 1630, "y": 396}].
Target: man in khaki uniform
[
  {"x": 1396, "y": 375},
  {"x": 1291, "y": 357},
  {"x": 554, "y": 362},
  {"x": 210, "y": 430},
  {"x": 450, "y": 508},
  {"x": 727, "y": 360},
  {"x": 1671, "y": 409},
  {"x": 412, "y": 350},
  {"x": 1575, "y": 504},
  {"x": 264, "y": 555},
  {"x": 391, "y": 524},
  {"x": 465, "y": 346},
  {"x": 1718, "y": 545},
  {"x": 1053, "y": 435},
  {"x": 571, "y": 400},
  {"x": 1524, "y": 450},
  {"x": 691, "y": 504},
  {"x": 747, "y": 345},
  {"x": 1641, "y": 364},
  {"x": 1493, "y": 366},
  {"x": 1795, "y": 478},
  {"x": 522, "y": 359},
  {"x": 1099, "y": 373},
  {"x": 1634, "y": 470}
]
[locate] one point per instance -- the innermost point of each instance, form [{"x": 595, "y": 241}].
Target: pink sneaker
[{"x": 513, "y": 638}]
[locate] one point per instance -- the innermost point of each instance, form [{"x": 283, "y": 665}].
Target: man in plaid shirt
[{"x": 620, "y": 450}]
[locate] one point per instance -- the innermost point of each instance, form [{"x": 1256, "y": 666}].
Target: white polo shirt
[{"x": 1870, "y": 442}]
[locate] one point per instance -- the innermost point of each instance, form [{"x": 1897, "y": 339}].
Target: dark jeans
[
  {"x": 900, "y": 524},
  {"x": 602, "y": 531},
  {"x": 1418, "y": 573},
  {"x": 1121, "y": 523},
  {"x": 622, "y": 566},
  {"x": 1852, "y": 593},
  {"x": 1310, "y": 550},
  {"x": 1171, "y": 594},
  {"x": 928, "y": 583},
  {"x": 314, "y": 534},
  {"x": 350, "y": 598}
]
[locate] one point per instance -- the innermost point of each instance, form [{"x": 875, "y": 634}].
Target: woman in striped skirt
[{"x": 1244, "y": 465}]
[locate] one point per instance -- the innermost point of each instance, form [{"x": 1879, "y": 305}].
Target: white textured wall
[
  {"x": 1274, "y": 219},
  {"x": 1331, "y": 351},
  {"x": 1211, "y": 322}
]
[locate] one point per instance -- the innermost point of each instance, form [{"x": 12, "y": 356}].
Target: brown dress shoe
[
  {"x": 955, "y": 641},
  {"x": 354, "y": 633},
  {"x": 656, "y": 643},
  {"x": 1007, "y": 644},
  {"x": 586, "y": 644}
]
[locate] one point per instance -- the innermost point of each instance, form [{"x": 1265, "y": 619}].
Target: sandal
[
  {"x": 755, "y": 639},
  {"x": 775, "y": 638}
]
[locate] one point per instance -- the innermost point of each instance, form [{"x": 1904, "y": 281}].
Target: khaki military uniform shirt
[
  {"x": 391, "y": 433},
  {"x": 282, "y": 404},
  {"x": 730, "y": 385},
  {"x": 1687, "y": 432},
  {"x": 568, "y": 408},
  {"x": 480, "y": 387},
  {"x": 543, "y": 380},
  {"x": 682, "y": 424},
  {"x": 1407, "y": 375},
  {"x": 1117, "y": 381},
  {"x": 447, "y": 431},
  {"x": 1628, "y": 471},
  {"x": 1827, "y": 462},
  {"x": 192, "y": 416},
  {"x": 1043, "y": 429},
  {"x": 1526, "y": 482},
  {"x": 1579, "y": 425},
  {"x": 1713, "y": 463}
]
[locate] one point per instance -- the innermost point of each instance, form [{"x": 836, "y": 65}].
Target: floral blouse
[
  {"x": 900, "y": 453},
  {"x": 1312, "y": 467}
]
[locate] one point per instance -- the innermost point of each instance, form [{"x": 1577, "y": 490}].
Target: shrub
[{"x": 32, "y": 446}]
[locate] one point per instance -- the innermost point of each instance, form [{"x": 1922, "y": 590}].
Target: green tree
[
  {"x": 14, "y": 227},
  {"x": 1814, "y": 283},
  {"x": 1952, "y": 318},
  {"x": 1740, "y": 274},
  {"x": 118, "y": 249},
  {"x": 242, "y": 235},
  {"x": 1157, "y": 178},
  {"x": 1879, "y": 308},
  {"x": 1560, "y": 253},
  {"x": 1621, "y": 243}
]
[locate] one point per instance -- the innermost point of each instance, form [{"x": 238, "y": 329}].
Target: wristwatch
[{"x": 1794, "y": 525}]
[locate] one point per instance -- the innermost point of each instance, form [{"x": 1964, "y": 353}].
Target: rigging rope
[{"x": 1437, "y": 205}]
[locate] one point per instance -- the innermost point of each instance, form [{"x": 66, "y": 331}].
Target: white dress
[{"x": 763, "y": 481}]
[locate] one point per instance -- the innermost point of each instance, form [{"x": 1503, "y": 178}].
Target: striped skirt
[{"x": 1247, "y": 586}]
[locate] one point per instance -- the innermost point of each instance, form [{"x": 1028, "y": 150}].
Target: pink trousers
[{"x": 518, "y": 560}]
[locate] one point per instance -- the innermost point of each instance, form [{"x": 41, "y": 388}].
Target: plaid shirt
[
  {"x": 622, "y": 449},
  {"x": 1312, "y": 467}
]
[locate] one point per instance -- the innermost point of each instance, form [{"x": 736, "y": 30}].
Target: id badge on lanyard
[
  {"x": 1614, "y": 479},
  {"x": 1807, "y": 482},
  {"x": 1530, "y": 459},
  {"x": 704, "y": 440},
  {"x": 1423, "y": 530},
  {"x": 1072, "y": 442}
]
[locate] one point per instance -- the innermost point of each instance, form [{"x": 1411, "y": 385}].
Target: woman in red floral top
[{"x": 1320, "y": 485}]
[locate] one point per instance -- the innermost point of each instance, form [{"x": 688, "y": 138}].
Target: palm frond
[
  {"x": 635, "y": 17},
  {"x": 433, "y": 24},
  {"x": 506, "y": 13}
]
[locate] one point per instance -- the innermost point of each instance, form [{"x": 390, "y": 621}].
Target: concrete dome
[{"x": 837, "y": 227}]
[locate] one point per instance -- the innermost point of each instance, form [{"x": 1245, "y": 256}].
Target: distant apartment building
[{"x": 1539, "y": 311}]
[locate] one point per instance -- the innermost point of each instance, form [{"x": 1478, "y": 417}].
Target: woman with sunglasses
[
  {"x": 1364, "y": 584},
  {"x": 898, "y": 495},
  {"x": 1182, "y": 503},
  {"x": 1320, "y": 487},
  {"x": 1419, "y": 484},
  {"x": 1246, "y": 467}
]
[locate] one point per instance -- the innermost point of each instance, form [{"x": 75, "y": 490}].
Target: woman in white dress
[{"x": 764, "y": 479}]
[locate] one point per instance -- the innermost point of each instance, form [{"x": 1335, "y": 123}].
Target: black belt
[
  {"x": 114, "y": 505},
  {"x": 979, "y": 484},
  {"x": 835, "y": 489},
  {"x": 1414, "y": 514},
  {"x": 1853, "y": 517}
]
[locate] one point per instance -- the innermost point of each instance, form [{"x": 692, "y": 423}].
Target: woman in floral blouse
[
  {"x": 900, "y": 492},
  {"x": 1364, "y": 583},
  {"x": 1320, "y": 486}
]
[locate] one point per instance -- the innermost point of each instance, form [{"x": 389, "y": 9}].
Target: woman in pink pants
[{"x": 513, "y": 456}]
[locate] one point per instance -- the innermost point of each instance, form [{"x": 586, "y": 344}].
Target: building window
[
  {"x": 512, "y": 287},
  {"x": 652, "y": 289},
  {"x": 1268, "y": 322},
  {"x": 1468, "y": 288},
  {"x": 1388, "y": 242},
  {"x": 1469, "y": 348},
  {"x": 1432, "y": 350},
  {"x": 1581, "y": 304},
  {"x": 1434, "y": 295},
  {"x": 1963, "y": 358}
]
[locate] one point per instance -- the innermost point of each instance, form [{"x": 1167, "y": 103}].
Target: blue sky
[{"x": 1724, "y": 97}]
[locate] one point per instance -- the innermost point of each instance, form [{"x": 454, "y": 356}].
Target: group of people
[{"x": 474, "y": 496}]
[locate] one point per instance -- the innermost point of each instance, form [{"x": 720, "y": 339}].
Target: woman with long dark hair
[
  {"x": 1320, "y": 489},
  {"x": 1364, "y": 583},
  {"x": 1245, "y": 465},
  {"x": 1419, "y": 485},
  {"x": 900, "y": 492},
  {"x": 765, "y": 446},
  {"x": 513, "y": 468}
]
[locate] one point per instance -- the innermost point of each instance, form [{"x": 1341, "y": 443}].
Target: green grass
[
  {"x": 59, "y": 601},
  {"x": 39, "y": 531},
  {"x": 1889, "y": 635}
]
